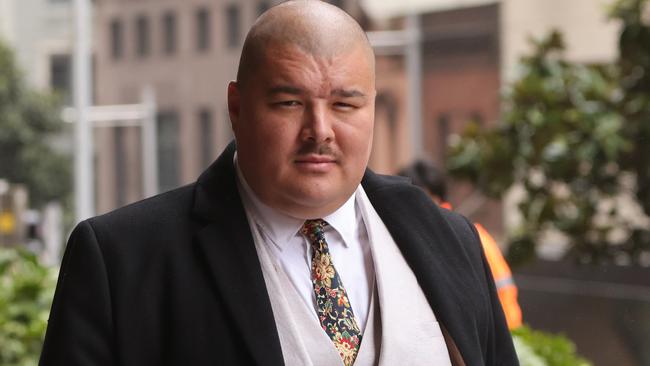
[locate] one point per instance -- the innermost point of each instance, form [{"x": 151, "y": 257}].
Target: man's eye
[
  {"x": 288, "y": 103},
  {"x": 342, "y": 105}
]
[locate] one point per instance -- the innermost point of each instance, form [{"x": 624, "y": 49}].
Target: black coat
[{"x": 175, "y": 280}]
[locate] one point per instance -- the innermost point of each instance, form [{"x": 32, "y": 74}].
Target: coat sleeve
[{"x": 80, "y": 326}]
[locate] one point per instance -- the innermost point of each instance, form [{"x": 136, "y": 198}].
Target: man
[
  {"x": 286, "y": 250},
  {"x": 426, "y": 176}
]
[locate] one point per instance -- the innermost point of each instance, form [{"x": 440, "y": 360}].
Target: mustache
[{"x": 312, "y": 147}]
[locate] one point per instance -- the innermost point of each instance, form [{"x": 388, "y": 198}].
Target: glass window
[
  {"x": 477, "y": 118},
  {"x": 61, "y": 76},
  {"x": 169, "y": 32},
  {"x": 142, "y": 36},
  {"x": 168, "y": 150},
  {"x": 117, "y": 39},
  {"x": 443, "y": 134},
  {"x": 205, "y": 137},
  {"x": 202, "y": 29},
  {"x": 338, "y": 3},
  {"x": 227, "y": 131},
  {"x": 262, "y": 6},
  {"x": 232, "y": 21}
]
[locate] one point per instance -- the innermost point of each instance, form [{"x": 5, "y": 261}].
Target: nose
[{"x": 317, "y": 124}]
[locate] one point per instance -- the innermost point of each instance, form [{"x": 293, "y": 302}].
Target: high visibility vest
[{"x": 506, "y": 288}]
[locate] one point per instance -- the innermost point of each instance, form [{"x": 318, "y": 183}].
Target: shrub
[
  {"x": 536, "y": 348},
  {"x": 26, "y": 291}
]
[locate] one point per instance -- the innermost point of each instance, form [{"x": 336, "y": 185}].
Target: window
[
  {"x": 205, "y": 137},
  {"x": 117, "y": 39},
  {"x": 168, "y": 150},
  {"x": 142, "y": 39},
  {"x": 232, "y": 22},
  {"x": 61, "y": 76},
  {"x": 227, "y": 131},
  {"x": 202, "y": 29},
  {"x": 443, "y": 133},
  {"x": 262, "y": 6},
  {"x": 169, "y": 33},
  {"x": 337, "y": 3},
  {"x": 120, "y": 166},
  {"x": 477, "y": 118}
]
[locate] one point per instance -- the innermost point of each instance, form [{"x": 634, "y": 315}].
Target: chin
[{"x": 309, "y": 201}]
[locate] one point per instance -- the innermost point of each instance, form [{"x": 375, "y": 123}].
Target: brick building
[{"x": 186, "y": 51}]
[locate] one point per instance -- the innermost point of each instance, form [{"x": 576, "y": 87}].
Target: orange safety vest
[{"x": 506, "y": 288}]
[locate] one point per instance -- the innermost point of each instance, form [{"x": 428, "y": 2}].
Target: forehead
[{"x": 290, "y": 64}]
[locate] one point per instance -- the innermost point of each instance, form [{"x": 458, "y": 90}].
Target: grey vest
[{"x": 401, "y": 327}]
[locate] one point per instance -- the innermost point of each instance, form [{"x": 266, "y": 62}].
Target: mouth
[{"x": 315, "y": 163}]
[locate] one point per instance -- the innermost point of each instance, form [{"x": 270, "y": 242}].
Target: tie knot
[{"x": 314, "y": 229}]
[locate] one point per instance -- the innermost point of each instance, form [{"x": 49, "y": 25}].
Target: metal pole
[
  {"x": 414, "y": 82},
  {"x": 149, "y": 138},
  {"x": 84, "y": 195}
]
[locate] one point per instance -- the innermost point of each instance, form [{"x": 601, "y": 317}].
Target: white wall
[
  {"x": 37, "y": 29},
  {"x": 382, "y": 9},
  {"x": 589, "y": 36},
  {"x": 7, "y": 33}
]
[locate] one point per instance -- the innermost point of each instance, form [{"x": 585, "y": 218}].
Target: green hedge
[
  {"x": 26, "y": 291},
  {"x": 536, "y": 348}
]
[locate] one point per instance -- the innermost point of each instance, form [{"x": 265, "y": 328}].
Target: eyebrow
[
  {"x": 286, "y": 89},
  {"x": 348, "y": 93}
]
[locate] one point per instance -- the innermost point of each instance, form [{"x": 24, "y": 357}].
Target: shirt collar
[{"x": 281, "y": 228}]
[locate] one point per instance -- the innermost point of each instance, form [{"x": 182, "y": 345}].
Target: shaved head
[
  {"x": 302, "y": 108},
  {"x": 315, "y": 27}
]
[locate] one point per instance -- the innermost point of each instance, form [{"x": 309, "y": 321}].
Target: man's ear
[{"x": 233, "y": 103}]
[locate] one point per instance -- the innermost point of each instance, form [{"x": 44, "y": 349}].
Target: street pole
[
  {"x": 84, "y": 184},
  {"x": 407, "y": 43},
  {"x": 149, "y": 143}
]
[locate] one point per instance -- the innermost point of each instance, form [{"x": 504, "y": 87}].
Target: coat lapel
[
  {"x": 431, "y": 250},
  {"x": 223, "y": 237}
]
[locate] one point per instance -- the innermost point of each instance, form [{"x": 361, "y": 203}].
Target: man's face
[{"x": 304, "y": 127}]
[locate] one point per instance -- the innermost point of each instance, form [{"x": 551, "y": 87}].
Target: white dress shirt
[{"x": 346, "y": 237}]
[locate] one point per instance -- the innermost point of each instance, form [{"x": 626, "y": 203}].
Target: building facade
[
  {"x": 460, "y": 82},
  {"x": 186, "y": 52}
]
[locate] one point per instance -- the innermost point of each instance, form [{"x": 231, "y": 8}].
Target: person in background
[{"x": 426, "y": 176}]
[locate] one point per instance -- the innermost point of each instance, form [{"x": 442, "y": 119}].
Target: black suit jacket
[{"x": 175, "y": 280}]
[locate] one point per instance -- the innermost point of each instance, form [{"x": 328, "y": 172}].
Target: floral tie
[{"x": 333, "y": 307}]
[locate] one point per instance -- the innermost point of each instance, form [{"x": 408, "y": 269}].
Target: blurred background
[{"x": 538, "y": 112}]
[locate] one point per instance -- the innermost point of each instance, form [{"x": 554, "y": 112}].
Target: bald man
[{"x": 287, "y": 250}]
